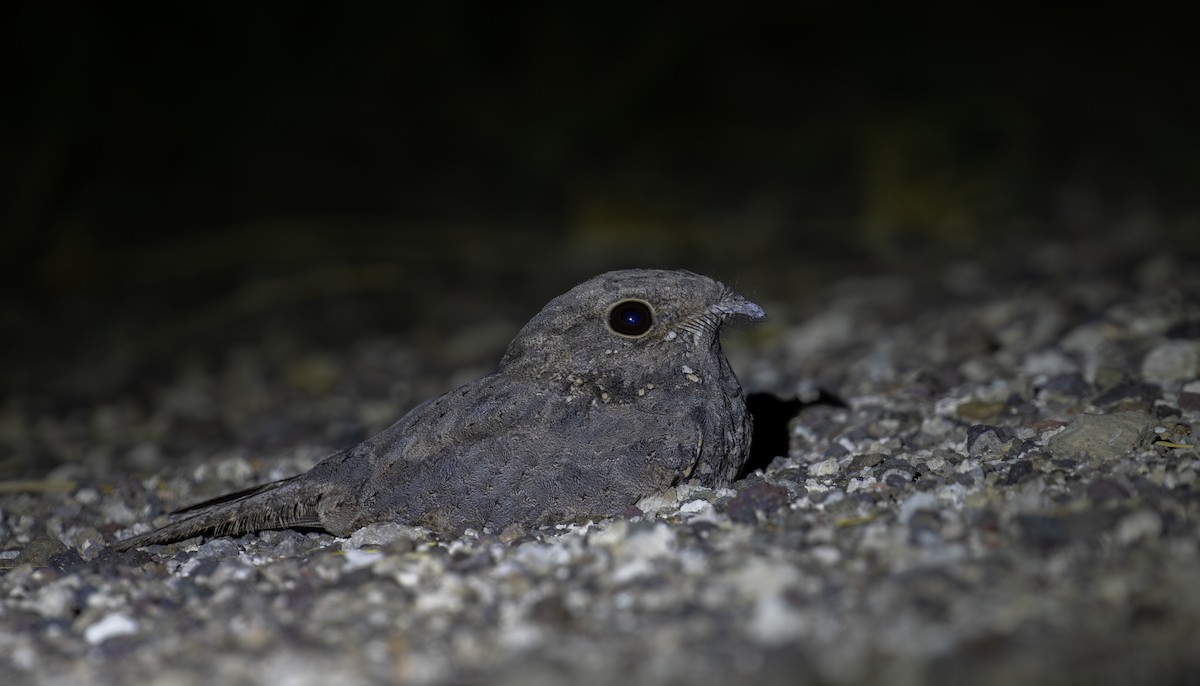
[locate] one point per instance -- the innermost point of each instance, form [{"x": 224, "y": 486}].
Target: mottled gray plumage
[{"x": 578, "y": 421}]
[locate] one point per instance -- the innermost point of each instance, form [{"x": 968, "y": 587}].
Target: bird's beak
[{"x": 734, "y": 305}]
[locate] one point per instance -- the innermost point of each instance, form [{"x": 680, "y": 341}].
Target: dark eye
[{"x": 630, "y": 318}]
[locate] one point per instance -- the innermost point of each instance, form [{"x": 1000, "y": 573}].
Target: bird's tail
[{"x": 277, "y": 505}]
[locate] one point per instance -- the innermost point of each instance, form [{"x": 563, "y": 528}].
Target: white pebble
[
  {"x": 116, "y": 624},
  {"x": 826, "y": 468}
]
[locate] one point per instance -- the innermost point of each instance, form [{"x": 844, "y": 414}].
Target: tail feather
[
  {"x": 234, "y": 497},
  {"x": 277, "y": 505}
]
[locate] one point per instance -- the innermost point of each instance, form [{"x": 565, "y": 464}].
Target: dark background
[{"x": 181, "y": 177}]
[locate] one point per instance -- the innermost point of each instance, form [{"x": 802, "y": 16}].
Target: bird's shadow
[{"x": 773, "y": 415}]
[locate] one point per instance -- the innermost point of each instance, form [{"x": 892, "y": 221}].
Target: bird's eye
[{"x": 631, "y": 318}]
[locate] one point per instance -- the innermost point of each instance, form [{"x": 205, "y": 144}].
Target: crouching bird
[{"x": 616, "y": 390}]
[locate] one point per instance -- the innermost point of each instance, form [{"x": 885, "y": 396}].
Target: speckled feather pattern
[{"x": 578, "y": 421}]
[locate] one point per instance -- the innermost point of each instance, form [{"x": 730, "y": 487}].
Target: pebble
[
  {"x": 757, "y": 500},
  {"x": 110, "y": 626},
  {"x": 396, "y": 537},
  {"x": 1105, "y": 438},
  {"x": 1172, "y": 362},
  {"x": 825, "y": 468},
  {"x": 986, "y": 441}
]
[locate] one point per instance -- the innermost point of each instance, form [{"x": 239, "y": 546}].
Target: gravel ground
[{"x": 990, "y": 477}]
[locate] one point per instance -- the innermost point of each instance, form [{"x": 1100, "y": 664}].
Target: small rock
[
  {"x": 88, "y": 541},
  {"x": 1104, "y": 437},
  {"x": 39, "y": 551},
  {"x": 825, "y": 468},
  {"x": 285, "y": 542},
  {"x": 1172, "y": 361},
  {"x": 867, "y": 460},
  {"x": 514, "y": 532},
  {"x": 760, "y": 497},
  {"x": 1049, "y": 362},
  {"x": 116, "y": 624},
  {"x": 217, "y": 548},
  {"x": 986, "y": 441},
  {"x": 657, "y": 502},
  {"x": 397, "y": 537}
]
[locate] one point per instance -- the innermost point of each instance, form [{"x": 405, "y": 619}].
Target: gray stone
[
  {"x": 1103, "y": 437},
  {"x": 1172, "y": 362}
]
